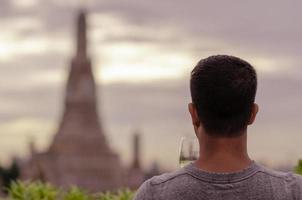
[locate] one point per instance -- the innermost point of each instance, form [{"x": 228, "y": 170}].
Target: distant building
[
  {"x": 135, "y": 174},
  {"x": 79, "y": 153}
]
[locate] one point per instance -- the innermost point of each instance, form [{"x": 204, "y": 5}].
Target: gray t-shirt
[{"x": 190, "y": 183}]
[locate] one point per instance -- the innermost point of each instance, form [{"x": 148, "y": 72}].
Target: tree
[{"x": 9, "y": 174}]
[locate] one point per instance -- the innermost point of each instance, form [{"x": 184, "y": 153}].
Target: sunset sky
[{"x": 142, "y": 53}]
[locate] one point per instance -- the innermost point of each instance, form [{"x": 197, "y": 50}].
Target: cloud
[
  {"x": 234, "y": 25},
  {"x": 195, "y": 29}
]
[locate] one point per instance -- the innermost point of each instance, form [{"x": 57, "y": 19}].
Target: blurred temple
[{"x": 79, "y": 154}]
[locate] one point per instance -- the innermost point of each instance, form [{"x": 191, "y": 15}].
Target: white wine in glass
[{"x": 189, "y": 150}]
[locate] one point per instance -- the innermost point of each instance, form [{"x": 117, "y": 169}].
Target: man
[{"x": 223, "y": 90}]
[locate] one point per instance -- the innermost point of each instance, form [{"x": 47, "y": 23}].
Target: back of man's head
[{"x": 223, "y": 90}]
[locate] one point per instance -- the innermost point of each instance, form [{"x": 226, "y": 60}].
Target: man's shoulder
[
  {"x": 288, "y": 182},
  {"x": 287, "y": 177},
  {"x": 167, "y": 177},
  {"x": 164, "y": 181}
]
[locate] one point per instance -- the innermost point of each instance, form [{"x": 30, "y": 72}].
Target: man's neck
[{"x": 223, "y": 154}]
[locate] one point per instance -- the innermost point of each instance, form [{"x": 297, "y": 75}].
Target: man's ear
[
  {"x": 194, "y": 115},
  {"x": 255, "y": 110}
]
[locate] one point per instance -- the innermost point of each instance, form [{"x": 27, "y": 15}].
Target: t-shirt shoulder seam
[
  {"x": 273, "y": 175},
  {"x": 158, "y": 182},
  {"x": 264, "y": 171}
]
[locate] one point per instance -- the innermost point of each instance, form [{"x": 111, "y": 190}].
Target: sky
[{"x": 142, "y": 53}]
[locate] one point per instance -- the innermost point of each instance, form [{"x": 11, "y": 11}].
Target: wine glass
[{"x": 189, "y": 150}]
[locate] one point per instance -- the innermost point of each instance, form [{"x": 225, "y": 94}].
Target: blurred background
[{"x": 142, "y": 53}]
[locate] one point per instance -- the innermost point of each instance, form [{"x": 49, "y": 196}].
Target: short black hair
[{"x": 223, "y": 90}]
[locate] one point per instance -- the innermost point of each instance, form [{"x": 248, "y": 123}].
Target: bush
[
  {"x": 32, "y": 191},
  {"x": 40, "y": 191},
  {"x": 298, "y": 168}
]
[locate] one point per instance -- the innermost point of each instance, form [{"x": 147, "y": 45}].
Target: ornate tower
[
  {"x": 79, "y": 154},
  {"x": 80, "y": 127},
  {"x": 80, "y": 146}
]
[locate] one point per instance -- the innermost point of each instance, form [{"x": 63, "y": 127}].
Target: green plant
[
  {"x": 41, "y": 191},
  {"x": 298, "y": 168},
  {"x": 76, "y": 193},
  {"x": 125, "y": 194},
  {"x": 120, "y": 195},
  {"x": 32, "y": 191}
]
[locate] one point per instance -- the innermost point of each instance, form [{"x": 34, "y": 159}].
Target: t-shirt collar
[{"x": 229, "y": 177}]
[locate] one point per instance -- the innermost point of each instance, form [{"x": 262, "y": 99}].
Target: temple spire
[
  {"x": 81, "y": 35},
  {"x": 81, "y": 85}
]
